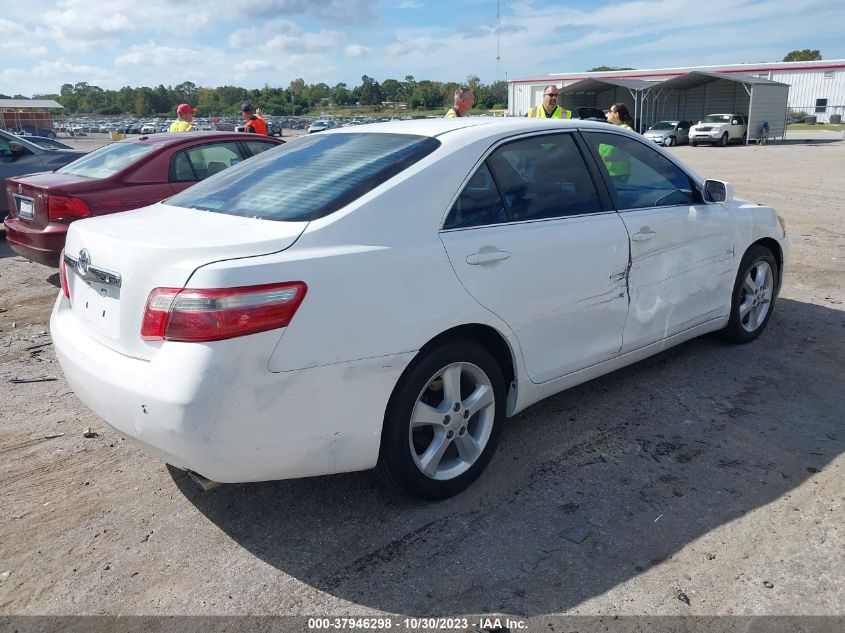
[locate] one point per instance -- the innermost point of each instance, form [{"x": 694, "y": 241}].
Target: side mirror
[
  {"x": 735, "y": 122},
  {"x": 718, "y": 191},
  {"x": 16, "y": 148}
]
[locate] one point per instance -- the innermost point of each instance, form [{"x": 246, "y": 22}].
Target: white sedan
[{"x": 388, "y": 295}]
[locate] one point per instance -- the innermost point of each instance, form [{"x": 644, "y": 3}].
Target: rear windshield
[
  {"x": 307, "y": 178},
  {"x": 108, "y": 160}
]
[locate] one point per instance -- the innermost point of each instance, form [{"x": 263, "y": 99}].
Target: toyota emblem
[{"x": 83, "y": 262}]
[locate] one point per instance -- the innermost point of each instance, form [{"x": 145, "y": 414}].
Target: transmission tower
[{"x": 497, "y": 41}]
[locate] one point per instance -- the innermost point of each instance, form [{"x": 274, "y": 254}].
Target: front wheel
[
  {"x": 723, "y": 142},
  {"x": 753, "y": 296},
  {"x": 443, "y": 420},
  {"x": 670, "y": 141},
  {"x": 693, "y": 143}
]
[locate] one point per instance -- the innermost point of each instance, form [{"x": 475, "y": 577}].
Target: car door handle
[
  {"x": 644, "y": 234},
  {"x": 486, "y": 257}
]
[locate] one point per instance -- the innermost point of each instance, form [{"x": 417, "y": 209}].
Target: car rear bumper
[
  {"x": 39, "y": 245},
  {"x": 207, "y": 408}
]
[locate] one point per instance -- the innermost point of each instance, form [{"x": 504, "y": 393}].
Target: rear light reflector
[
  {"x": 64, "y": 208},
  {"x": 214, "y": 314},
  {"x": 63, "y": 274}
]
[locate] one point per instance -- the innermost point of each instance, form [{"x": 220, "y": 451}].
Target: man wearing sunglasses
[{"x": 550, "y": 109}]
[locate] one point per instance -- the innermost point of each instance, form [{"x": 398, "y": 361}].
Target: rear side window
[
  {"x": 202, "y": 161},
  {"x": 536, "y": 178},
  {"x": 106, "y": 161},
  {"x": 308, "y": 178}
]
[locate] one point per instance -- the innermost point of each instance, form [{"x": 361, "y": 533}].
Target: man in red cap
[{"x": 184, "y": 122}]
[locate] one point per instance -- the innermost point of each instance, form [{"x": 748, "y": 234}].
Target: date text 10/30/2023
[{"x": 414, "y": 624}]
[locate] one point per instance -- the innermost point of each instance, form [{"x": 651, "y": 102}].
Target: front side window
[
  {"x": 308, "y": 178},
  {"x": 106, "y": 161},
  {"x": 640, "y": 175}
]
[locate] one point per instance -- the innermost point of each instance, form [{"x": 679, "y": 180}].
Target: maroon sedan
[{"x": 118, "y": 177}]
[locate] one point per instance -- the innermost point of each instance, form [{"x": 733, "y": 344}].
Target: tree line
[{"x": 297, "y": 99}]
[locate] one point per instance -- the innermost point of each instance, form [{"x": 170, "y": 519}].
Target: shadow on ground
[{"x": 588, "y": 489}]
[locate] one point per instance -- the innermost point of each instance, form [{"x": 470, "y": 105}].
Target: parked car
[
  {"x": 589, "y": 114},
  {"x": 719, "y": 129},
  {"x": 389, "y": 294},
  {"x": 669, "y": 133},
  {"x": 31, "y": 130},
  {"x": 117, "y": 177},
  {"x": 47, "y": 143},
  {"x": 321, "y": 126},
  {"x": 23, "y": 155}
]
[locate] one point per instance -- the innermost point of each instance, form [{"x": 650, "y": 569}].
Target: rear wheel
[
  {"x": 443, "y": 420},
  {"x": 753, "y": 296},
  {"x": 723, "y": 142}
]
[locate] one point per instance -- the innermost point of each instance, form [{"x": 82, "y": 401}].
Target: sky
[{"x": 253, "y": 43}]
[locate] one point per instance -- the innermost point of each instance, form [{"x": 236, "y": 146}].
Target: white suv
[{"x": 719, "y": 128}]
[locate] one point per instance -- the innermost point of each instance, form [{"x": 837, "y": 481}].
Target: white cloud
[
  {"x": 152, "y": 54},
  {"x": 356, "y": 50},
  {"x": 340, "y": 11}
]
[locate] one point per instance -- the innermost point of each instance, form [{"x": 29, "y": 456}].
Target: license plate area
[
  {"x": 97, "y": 305},
  {"x": 24, "y": 206}
]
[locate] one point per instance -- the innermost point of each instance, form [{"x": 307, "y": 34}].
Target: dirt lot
[{"x": 708, "y": 480}]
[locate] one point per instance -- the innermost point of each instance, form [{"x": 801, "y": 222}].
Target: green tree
[
  {"x": 370, "y": 91},
  {"x": 599, "y": 69},
  {"x": 186, "y": 91},
  {"x": 341, "y": 95},
  {"x": 806, "y": 55}
]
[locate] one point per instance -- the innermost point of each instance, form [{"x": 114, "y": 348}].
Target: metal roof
[
  {"x": 699, "y": 77},
  {"x": 599, "y": 85},
  {"x": 828, "y": 64},
  {"x": 29, "y": 104}
]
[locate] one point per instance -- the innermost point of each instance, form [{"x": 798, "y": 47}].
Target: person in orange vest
[
  {"x": 254, "y": 124},
  {"x": 464, "y": 100},
  {"x": 185, "y": 117},
  {"x": 549, "y": 108}
]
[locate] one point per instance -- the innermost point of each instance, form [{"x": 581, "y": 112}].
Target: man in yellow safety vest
[
  {"x": 549, "y": 109},
  {"x": 185, "y": 121}
]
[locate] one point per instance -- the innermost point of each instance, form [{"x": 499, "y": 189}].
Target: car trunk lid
[
  {"x": 113, "y": 262},
  {"x": 29, "y": 196}
]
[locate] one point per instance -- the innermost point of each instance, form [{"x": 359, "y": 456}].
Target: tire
[
  {"x": 745, "y": 138},
  {"x": 693, "y": 143},
  {"x": 453, "y": 439},
  {"x": 670, "y": 141},
  {"x": 723, "y": 142},
  {"x": 754, "y": 293}
]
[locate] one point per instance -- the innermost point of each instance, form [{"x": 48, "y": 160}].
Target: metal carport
[
  {"x": 603, "y": 93},
  {"x": 691, "y": 96},
  {"x": 15, "y": 113}
]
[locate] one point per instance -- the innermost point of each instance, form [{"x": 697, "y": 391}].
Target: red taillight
[
  {"x": 63, "y": 208},
  {"x": 63, "y": 274},
  {"x": 190, "y": 314}
]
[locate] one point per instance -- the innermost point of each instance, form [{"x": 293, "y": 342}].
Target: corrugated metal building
[{"x": 816, "y": 88}]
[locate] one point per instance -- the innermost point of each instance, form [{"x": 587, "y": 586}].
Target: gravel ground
[{"x": 707, "y": 480}]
